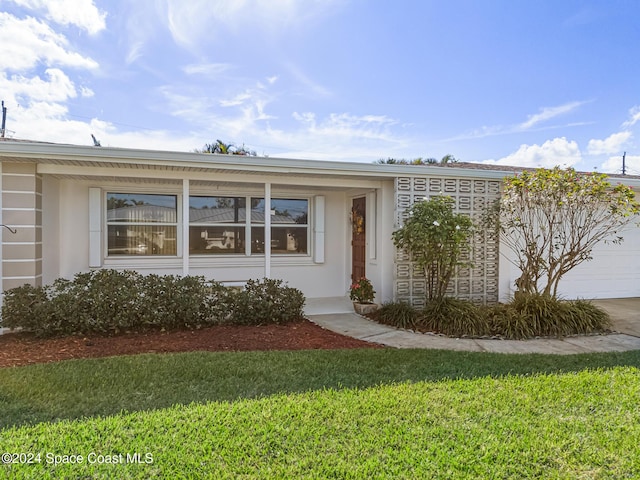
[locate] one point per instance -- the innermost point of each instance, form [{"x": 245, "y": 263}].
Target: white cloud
[
  {"x": 558, "y": 151},
  {"x": 634, "y": 117},
  {"x": 548, "y": 113},
  {"x": 27, "y": 42},
  {"x": 208, "y": 69},
  {"x": 86, "y": 92},
  {"x": 315, "y": 88},
  {"x": 57, "y": 88},
  {"x": 191, "y": 21},
  {"x": 81, "y": 13},
  {"x": 612, "y": 144}
]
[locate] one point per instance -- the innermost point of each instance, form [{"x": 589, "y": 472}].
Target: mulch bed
[{"x": 18, "y": 349}]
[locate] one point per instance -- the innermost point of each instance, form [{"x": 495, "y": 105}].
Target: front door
[{"x": 358, "y": 236}]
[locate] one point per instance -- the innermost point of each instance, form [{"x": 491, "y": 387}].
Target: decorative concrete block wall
[
  {"x": 22, "y": 211},
  {"x": 478, "y": 283}
]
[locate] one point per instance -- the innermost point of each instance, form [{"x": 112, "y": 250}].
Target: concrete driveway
[{"x": 624, "y": 312}]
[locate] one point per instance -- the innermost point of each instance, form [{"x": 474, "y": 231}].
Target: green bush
[
  {"x": 110, "y": 301},
  {"x": 266, "y": 301},
  {"x": 453, "y": 316},
  {"x": 170, "y": 301},
  {"x": 527, "y": 316},
  {"x": 397, "y": 314}
]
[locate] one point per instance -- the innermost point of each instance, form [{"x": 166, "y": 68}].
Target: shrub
[
  {"x": 109, "y": 301},
  {"x": 23, "y": 307},
  {"x": 544, "y": 315},
  {"x": 266, "y": 301},
  {"x": 173, "y": 302},
  {"x": 453, "y": 316},
  {"x": 397, "y": 314},
  {"x": 527, "y": 316}
]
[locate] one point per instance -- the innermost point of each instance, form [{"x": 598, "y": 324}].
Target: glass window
[
  {"x": 217, "y": 225},
  {"x": 127, "y": 207},
  {"x": 289, "y": 225},
  {"x": 141, "y": 224},
  {"x": 206, "y": 210},
  {"x": 216, "y": 239}
]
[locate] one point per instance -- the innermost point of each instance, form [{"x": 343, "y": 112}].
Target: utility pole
[
  {"x": 624, "y": 165},
  {"x": 4, "y": 119}
]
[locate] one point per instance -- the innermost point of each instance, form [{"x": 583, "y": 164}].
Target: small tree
[
  {"x": 435, "y": 237},
  {"x": 226, "y": 149},
  {"x": 552, "y": 219}
]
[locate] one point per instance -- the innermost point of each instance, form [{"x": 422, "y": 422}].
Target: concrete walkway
[{"x": 627, "y": 324}]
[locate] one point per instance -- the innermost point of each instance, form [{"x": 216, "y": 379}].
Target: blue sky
[{"x": 531, "y": 83}]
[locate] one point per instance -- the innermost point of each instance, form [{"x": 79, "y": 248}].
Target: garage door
[{"x": 614, "y": 271}]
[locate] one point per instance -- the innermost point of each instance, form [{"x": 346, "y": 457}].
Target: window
[
  {"x": 141, "y": 224},
  {"x": 289, "y": 225},
  {"x": 217, "y": 225}
]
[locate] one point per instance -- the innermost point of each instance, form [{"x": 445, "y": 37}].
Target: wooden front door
[{"x": 358, "y": 238}]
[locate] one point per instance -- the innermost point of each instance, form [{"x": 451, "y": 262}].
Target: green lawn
[{"x": 327, "y": 414}]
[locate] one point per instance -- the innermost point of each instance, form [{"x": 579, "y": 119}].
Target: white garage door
[{"x": 614, "y": 271}]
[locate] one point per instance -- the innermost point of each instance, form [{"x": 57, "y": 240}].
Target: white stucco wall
[
  {"x": 380, "y": 270},
  {"x": 50, "y": 229},
  {"x": 73, "y": 229}
]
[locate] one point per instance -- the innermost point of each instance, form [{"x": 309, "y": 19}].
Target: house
[{"x": 314, "y": 224}]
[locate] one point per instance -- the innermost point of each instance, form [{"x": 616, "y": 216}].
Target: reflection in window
[
  {"x": 289, "y": 226},
  {"x": 218, "y": 240},
  {"x": 214, "y": 225},
  {"x": 206, "y": 210},
  {"x": 141, "y": 240},
  {"x": 139, "y": 208},
  {"x": 141, "y": 224}
]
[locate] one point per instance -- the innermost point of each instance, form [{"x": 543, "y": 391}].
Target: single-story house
[{"x": 315, "y": 224}]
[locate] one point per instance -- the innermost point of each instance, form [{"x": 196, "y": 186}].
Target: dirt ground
[{"x": 18, "y": 349}]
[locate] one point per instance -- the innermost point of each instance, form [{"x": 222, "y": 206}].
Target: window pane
[
  {"x": 289, "y": 211},
  {"x": 133, "y": 207},
  {"x": 285, "y": 211},
  {"x": 257, "y": 210},
  {"x": 289, "y": 240},
  {"x": 217, "y": 210},
  {"x": 141, "y": 240},
  {"x": 284, "y": 240},
  {"x": 216, "y": 240},
  {"x": 257, "y": 240}
]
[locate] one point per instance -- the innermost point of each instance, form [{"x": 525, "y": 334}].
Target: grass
[{"x": 337, "y": 414}]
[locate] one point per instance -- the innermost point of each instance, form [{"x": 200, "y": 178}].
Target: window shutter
[
  {"x": 318, "y": 229},
  {"x": 95, "y": 227}
]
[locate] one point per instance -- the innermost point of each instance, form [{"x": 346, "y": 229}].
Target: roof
[{"x": 91, "y": 156}]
